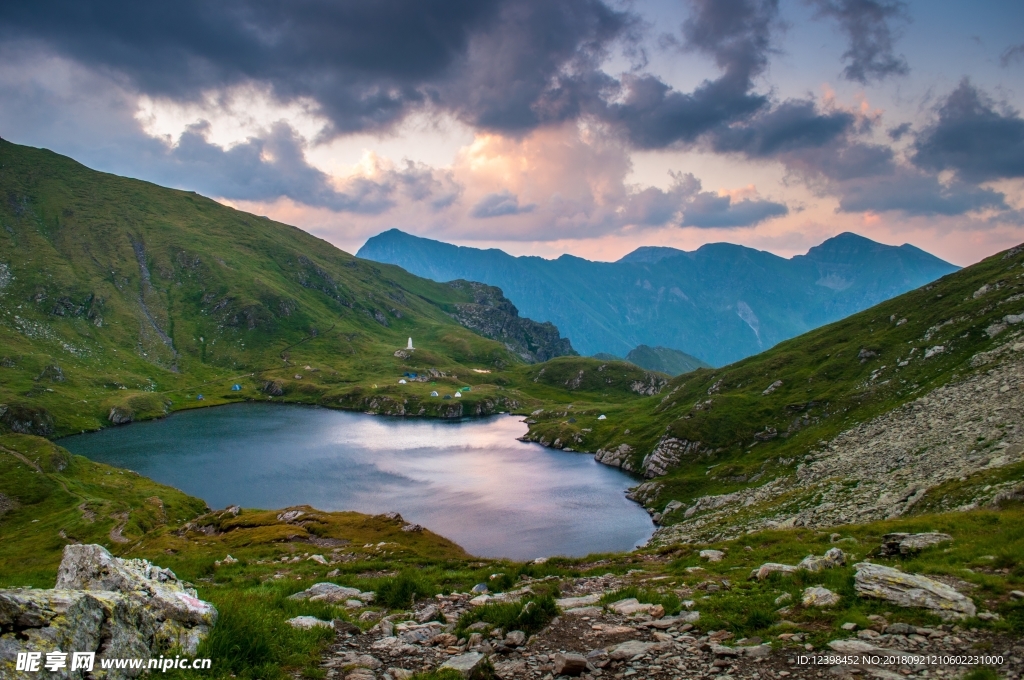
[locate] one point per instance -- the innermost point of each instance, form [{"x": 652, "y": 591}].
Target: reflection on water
[{"x": 470, "y": 481}]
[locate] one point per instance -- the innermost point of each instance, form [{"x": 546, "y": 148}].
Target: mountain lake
[{"x": 468, "y": 480}]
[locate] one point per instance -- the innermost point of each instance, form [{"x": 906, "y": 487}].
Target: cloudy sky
[{"x": 547, "y": 126}]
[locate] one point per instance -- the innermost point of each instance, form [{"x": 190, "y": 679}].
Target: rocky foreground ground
[{"x": 634, "y": 640}]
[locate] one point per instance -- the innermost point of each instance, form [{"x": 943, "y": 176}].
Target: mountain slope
[
  {"x": 914, "y": 403},
  {"x": 120, "y": 299},
  {"x": 664, "y": 360},
  {"x": 719, "y": 303}
]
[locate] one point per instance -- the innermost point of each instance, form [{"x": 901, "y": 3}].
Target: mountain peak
[{"x": 651, "y": 254}]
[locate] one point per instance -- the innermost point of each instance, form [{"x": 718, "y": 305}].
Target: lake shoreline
[{"x": 462, "y": 478}]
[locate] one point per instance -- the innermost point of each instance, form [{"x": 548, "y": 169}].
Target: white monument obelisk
[{"x": 410, "y": 344}]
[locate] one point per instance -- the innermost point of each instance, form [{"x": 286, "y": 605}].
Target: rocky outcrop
[
  {"x": 908, "y": 544},
  {"x": 911, "y": 590},
  {"x": 103, "y": 604},
  {"x": 617, "y": 457},
  {"x": 120, "y": 415},
  {"x": 668, "y": 453},
  {"x": 649, "y": 385},
  {"x": 493, "y": 316}
]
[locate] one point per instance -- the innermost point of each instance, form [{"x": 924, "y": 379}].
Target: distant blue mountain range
[{"x": 720, "y": 303}]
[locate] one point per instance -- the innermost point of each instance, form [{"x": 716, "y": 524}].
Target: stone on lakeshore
[
  {"x": 570, "y": 664},
  {"x": 816, "y": 596},
  {"x": 908, "y": 544},
  {"x": 308, "y": 622},
  {"x": 911, "y": 590},
  {"x": 466, "y": 663}
]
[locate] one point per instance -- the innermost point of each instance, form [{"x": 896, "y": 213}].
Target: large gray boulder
[
  {"x": 911, "y": 590},
  {"x": 91, "y": 567},
  {"x": 115, "y": 608}
]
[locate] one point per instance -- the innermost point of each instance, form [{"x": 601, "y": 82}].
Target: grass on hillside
[{"x": 119, "y": 296}]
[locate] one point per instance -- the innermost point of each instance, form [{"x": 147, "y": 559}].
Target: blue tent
[
  {"x": 199, "y": 398},
  {"x": 236, "y": 388}
]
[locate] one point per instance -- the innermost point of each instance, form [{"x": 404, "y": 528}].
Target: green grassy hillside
[
  {"x": 754, "y": 420},
  {"x": 123, "y": 300}
]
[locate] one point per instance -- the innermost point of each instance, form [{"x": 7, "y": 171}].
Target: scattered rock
[
  {"x": 629, "y": 649},
  {"x": 308, "y": 622},
  {"x": 570, "y": 664},
  {"x": 574, "y": 602},
  {"x": 326, "y": 592},
  {"x": 712, "y": 555},
  {"x": 769, "y": 568},
  {"x": 771, "y": 388},
  {"x": 816, "y": 596},
  {"x": 466, "y": 663},
  {"x": 832, "y": 558},
  {"x": 516, "y": 638},
  {"x": 631, "y": 606},
  {"x": 858, "y": 647},
  {"x": 911, "y": 590}
]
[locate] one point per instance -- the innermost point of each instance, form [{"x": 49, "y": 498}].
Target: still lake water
[{"x": 470, "y": 480}]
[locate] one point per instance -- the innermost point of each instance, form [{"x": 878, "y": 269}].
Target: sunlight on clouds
[{"x": 233, "y": 116}]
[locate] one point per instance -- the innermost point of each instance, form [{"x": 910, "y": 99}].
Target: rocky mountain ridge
[{"x": 719, "y": 303}]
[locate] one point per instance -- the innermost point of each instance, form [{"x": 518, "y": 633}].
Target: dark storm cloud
[
  {"x": 871, "y": 27},
  {"x": 536, "y": 63},
  {"x": 973, "y": 138},
  {"x": 737, "y": 35},
  {"x": 366, "y": 64},
  {"x": 500, "y": 204}
]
